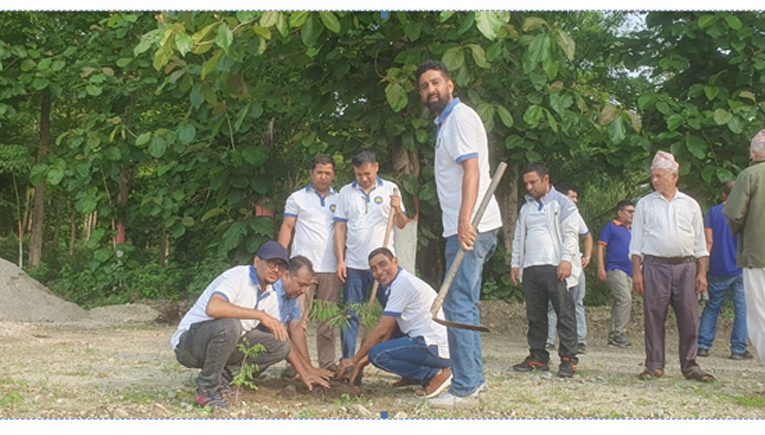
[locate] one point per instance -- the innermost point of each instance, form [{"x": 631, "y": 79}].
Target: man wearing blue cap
[{"x": 243, "y": 305}]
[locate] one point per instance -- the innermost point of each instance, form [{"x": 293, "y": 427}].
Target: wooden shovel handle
[{"x": 388, "y": 231}]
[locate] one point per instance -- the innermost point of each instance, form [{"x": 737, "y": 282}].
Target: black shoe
[
  {"x": 567, "y": 368},
  {"x": 581, "y": 348},
  {"x": 619, "y": 340},
  {"x": 703, "y": 352},
  {"x": 530, "y": 364},
  {"x": 550, "y": 346},
  {"x": 738, "y": 356}
]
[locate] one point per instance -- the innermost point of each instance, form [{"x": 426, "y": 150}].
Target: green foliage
[
  {"x": 338, "y": 315},
  {"x": 245, "y": 376}
]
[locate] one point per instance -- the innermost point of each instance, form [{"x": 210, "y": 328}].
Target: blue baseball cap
[{"x": 272, "y": 250}]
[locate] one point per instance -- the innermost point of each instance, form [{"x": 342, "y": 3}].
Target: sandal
[
  {"x": 701, "y": 376},
  {"x": 649, "y": 375}
]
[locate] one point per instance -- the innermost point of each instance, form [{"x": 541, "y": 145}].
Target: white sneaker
[
  {"x": 481, "y": 388},
  {"x": 448, "y": 400}
]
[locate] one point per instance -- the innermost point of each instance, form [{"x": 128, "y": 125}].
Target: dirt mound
[{"x": 23, "y": 299}]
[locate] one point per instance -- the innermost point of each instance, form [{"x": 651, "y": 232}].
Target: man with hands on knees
[{"x": 406, "y": 341}]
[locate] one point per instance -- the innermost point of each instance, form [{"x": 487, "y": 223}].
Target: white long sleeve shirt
[{"x": 668, "y": 228}]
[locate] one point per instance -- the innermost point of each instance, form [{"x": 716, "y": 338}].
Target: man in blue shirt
[
  {"x": 724, "y": 278},
  {"x": 615, "y": 269}
]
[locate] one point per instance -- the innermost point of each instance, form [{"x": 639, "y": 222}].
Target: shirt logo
[
  {"x": 332, "y": 207},
  {"x": 378, "y": 200}
]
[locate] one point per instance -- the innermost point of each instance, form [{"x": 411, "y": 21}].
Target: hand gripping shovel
[{"x": 452, "y": 272}]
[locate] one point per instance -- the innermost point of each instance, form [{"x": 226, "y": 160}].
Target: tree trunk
[
  {"x": 38, "y": 212},
  {"x": 164, "y": 247},
  {"x": 72, "y": 229},
  {"x": 57, "y": 227},
  {"x": 507, "y": 197},
  {"x": 122, "y": 200}
]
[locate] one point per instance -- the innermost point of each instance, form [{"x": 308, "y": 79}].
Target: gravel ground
[{"x": 116, "y": 364}]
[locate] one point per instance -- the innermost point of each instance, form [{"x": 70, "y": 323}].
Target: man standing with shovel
[{"x": 462, "y": 176}]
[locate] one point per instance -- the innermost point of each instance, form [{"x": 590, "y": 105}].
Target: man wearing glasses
[
  {"x": 615, "y": 269},
  {"x": 243, "y": 304}
]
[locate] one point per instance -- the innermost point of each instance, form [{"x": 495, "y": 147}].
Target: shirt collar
[
  {"x": 447, "y": 111},
  {"x": 619, "y": 223},
  {"x": 398, "y": 273}
]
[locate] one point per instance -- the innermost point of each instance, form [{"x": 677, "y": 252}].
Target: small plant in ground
[
  {"x": 338, "y": 315},
  {"x": 10, "y": 400},
  {"x": 246, "y": 373}
]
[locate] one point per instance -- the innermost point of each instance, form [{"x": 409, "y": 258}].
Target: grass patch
[{"x": 750, "y": 401}]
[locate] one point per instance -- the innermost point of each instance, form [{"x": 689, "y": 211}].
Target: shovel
[
  {"x": 452, "y": 272},
  {"x": 388, "y": 231}
]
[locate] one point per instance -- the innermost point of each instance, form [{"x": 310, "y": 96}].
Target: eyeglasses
[{"x": 276, "y": 265}]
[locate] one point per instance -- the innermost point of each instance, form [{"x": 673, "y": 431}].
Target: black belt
[{"x": 669, "y": 260}]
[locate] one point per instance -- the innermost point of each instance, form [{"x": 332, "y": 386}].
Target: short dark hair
[
  {"x": 728, "y": 187},
  {"x": 381, "y": 250},
  {"x": 565, "y": 188},
  {"x": 429, "y": 65},
  {"x": 621, "y": 205},
  {"x": 362, "y": 157},
  {"x": 537, "y": 167},
  {"x": 297, "y": 263},
  {"x": 322, "y": 159}
]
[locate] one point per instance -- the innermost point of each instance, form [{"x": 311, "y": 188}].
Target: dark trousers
[
  {"x": 541, "y": 285},
  {"x": 670, "y": 285},
  {"x": 212, "y": 346}
]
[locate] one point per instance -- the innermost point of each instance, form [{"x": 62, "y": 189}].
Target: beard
[{"x": 437, "y": 106}]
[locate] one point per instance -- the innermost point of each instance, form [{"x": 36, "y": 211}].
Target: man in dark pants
[
  {"x": 545, "y": 258},
  {"x": 668, "y": 238},
  {"x": 241, "y": 305}
]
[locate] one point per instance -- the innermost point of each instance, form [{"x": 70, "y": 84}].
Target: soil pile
[{"x": 23, "y": 299}]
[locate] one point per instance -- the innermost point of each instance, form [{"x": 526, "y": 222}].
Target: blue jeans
[
  {"x": 461, "y": 306},
  {"x": 357, "y": 282},
  {"x": 581, "y": 321},
  {"x": 719, "y": 286},
  {"x": 408, "y": 357}
]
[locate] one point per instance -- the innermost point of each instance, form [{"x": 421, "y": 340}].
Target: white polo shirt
[
  {"x": 409, "y": 301},
  {"x": 366, "y": 216},
  {"x": 239, "y": 286},
  {"x": 462, "y": 136},
  {"x": 314, "y": 227}
]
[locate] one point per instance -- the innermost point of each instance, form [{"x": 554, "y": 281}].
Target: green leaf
[
  {"x": 479, "y": 56},
  {"x": 27, "y": 65},
  {"x": 733, "y": 22},
  {"x": 748, "y": 95},
  {"x": 93, "y": 90},
  {"x": 197, "y": 95},
  {"x": 736, "y": 125},
  {"x": 467, "y": 23},
  {"x": 224, "y": 37},
  {"x": 85, "y": 205},
  {"x": 124, "y": 61},
  {"x": 298, "y": 19},
  {"x": 696, "y": 146},
  {"x": 616, "y": 131},
  {"x": 143, "y": 139},
  {"x": 566, "y": 43},
  {"x": 533, "y": 115},
  {"x": 725, "y": 175},
  {"x": 187, "y": 133},
  {"x": 147, "y": 40},
  {"x": 504, "y": 115},
  {"x": 58, "y": 65},
  {"x": 330, "y": 21},
  {"x": 488, "y": 24},
  {"x": 674, "y": 121},
  {"x": 444, "y": 16},
  {"x": 217, "y": 211},
  {"x": 270, "y": 18},
  {"x": 722, "y": 116},
  {"x": 706, "y": 21},
  {"x": 412, "y": 30},
  {"x": 533, "y": 156},
  {"x": 233, "y": 236},
  {"x": 183, "y": 43},
  {"x": 103, "y": 254},
  {"x": 40, "y": 83},
  {"x": 532, "y": 24},
  {"x": 453, "y": 58},
  {"x": 55, "y": 175},
  {"x": 210, "y": 65},
  {"x": 187, "y": 221},
  {"x": 396, "y": 96},
  {"x": 254, "y": 155},
  {"x": 309, "y": 34},
  {"x": 200, "y": 35},
  {"x": 711, "y": 92},
  {"x": 157, "y": 147}
]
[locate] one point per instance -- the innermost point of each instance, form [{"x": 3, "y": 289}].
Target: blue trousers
[
  {"x": 461, "y": 306},
  {"x": 408, "y": 357},
  {"x": 357, "y": 284},
  {"x": 719, "y": 287}
]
